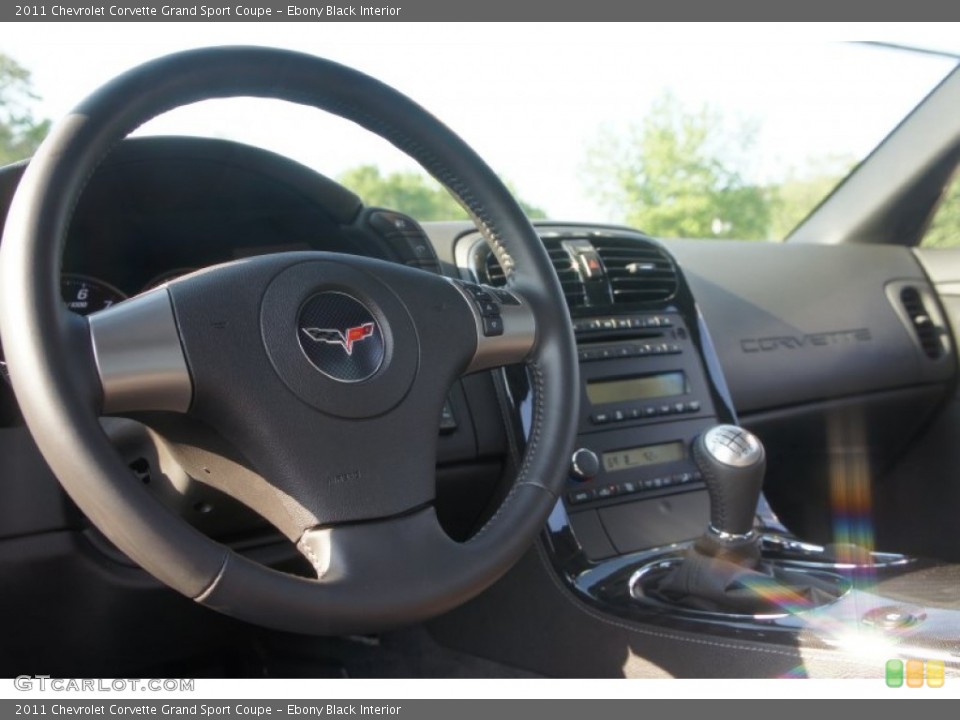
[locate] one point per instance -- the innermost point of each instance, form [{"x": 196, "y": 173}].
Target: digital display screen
[
  {"x": 637, "y": 388},
  {"x": 640, "y": 456}
]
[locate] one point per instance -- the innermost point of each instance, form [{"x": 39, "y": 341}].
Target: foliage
[
  {"x": 411, "y": 193},
  {"x": 678, "y": 174},
  {"x": 944, "y": 231},
  {"x": 796, "y": 196},
  {"x": 20, "y": 133},
  {"x": 675, "y": 175}
]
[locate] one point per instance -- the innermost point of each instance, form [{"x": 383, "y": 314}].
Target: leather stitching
[{"x": 314, "y": 559}]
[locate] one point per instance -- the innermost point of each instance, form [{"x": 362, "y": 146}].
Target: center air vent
[
  {"x": 632, "y": 270},
  {"x": 639, "y": 271}
]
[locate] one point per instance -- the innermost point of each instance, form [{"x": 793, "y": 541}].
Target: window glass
[{"x": 944, "y": 230}]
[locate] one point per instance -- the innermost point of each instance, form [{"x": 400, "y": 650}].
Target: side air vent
[
  {"x": 639, "y": 271},
  {"x": 567, "y": 273},
  {"x": 923, "y": 325}
]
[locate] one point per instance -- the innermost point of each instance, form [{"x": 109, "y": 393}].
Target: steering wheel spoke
[
  {"x": 139, "y": 357},
  {"x": 504, "y": 324}
]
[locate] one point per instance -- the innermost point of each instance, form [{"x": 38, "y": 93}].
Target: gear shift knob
[{"x": 732, "y": 462}]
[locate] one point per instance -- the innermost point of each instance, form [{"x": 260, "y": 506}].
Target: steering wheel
[{"x": 325, "y": 373}]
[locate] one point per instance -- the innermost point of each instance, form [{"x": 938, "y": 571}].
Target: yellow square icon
[
  {"x": 935, "y": 673},
  {"x": 914, "y": 673}
]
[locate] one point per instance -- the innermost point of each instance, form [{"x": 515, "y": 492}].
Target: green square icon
[{"x": 894, "y": 673}]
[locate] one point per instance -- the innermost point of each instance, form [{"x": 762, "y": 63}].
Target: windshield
[{"x": 682, "y": 131}]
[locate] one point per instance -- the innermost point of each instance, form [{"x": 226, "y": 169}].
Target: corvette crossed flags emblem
[{"x": 343, "y": 338}]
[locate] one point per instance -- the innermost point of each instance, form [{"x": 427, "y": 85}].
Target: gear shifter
[
  {"x": 723, "y": 571},
  {"x": 732, "y": 463}
]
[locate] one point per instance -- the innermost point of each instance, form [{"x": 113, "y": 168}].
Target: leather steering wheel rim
[{"x": 61, "y": 397}]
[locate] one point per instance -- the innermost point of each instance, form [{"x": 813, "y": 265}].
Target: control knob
[{"x": 584, "y": 465}]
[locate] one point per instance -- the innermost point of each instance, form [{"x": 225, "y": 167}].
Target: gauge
[
  {"x": 84, "y": 295},
  {"x": 166, "y": 277}
]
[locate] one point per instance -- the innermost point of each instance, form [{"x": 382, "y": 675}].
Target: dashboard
[
  {"x": 658, "y": 361},
  {"x": 822, "y": 351}
]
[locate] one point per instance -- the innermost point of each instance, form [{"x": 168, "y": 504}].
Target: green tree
[
  {"x": 20, "y": 133},
  {"x": 674, "y": 175},
  {"x": 795, "y": 197},
  {"x": 944, "y": 231},
  {"x": 412, "y": 193}
]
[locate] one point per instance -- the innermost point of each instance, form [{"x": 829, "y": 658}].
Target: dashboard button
[
  {"x": 579, "y": 496},
  {"x": 693, "y": 406},
  {"x": 600, "y": 419}
]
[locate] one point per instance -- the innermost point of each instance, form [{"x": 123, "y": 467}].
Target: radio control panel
[{"x": 644, "y": 398}]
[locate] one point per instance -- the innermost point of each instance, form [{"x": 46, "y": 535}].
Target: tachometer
[{"x": 84, "y": 295}]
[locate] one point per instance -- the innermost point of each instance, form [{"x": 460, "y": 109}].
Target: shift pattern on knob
[
  {"x": 733, "y": 464},
  {"x": 733, "y": 445}
]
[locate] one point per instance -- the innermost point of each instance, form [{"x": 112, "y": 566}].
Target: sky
[{"x": 533, "y": 98}]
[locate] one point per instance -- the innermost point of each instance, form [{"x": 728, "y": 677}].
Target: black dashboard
[
  {"x": 655, "y": 370},
  {"x": 820, "y": 350}
]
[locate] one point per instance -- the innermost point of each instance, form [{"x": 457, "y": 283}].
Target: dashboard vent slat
[
  {"x": 639, "y": 271},
  {"x": 923, "y": 325},
  {"x": 563, "y": 264}
]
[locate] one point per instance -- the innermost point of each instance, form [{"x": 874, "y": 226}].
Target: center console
[
  {"x": 649, "y": 385},
  {"x": 636, "y": 505}
]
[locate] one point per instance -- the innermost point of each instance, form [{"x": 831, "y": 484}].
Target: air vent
[
  {"x": 639, "y": 271},
  {"x": 923, "y": 325},
  {"x": 567, "y": 273}
]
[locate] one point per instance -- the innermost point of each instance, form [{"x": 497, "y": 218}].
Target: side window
[{"x": 944, "y": 231}]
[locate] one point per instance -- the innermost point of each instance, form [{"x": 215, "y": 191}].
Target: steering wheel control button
[
  {"x": 492, "y": 326},
  {"x": 504, "y": 296},
  {"x": 340, "y": 337},
  {"x": 487, "y": 304}
]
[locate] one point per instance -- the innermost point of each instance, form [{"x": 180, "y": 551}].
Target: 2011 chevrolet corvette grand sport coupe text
[{"x": 257, "y": 425}]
